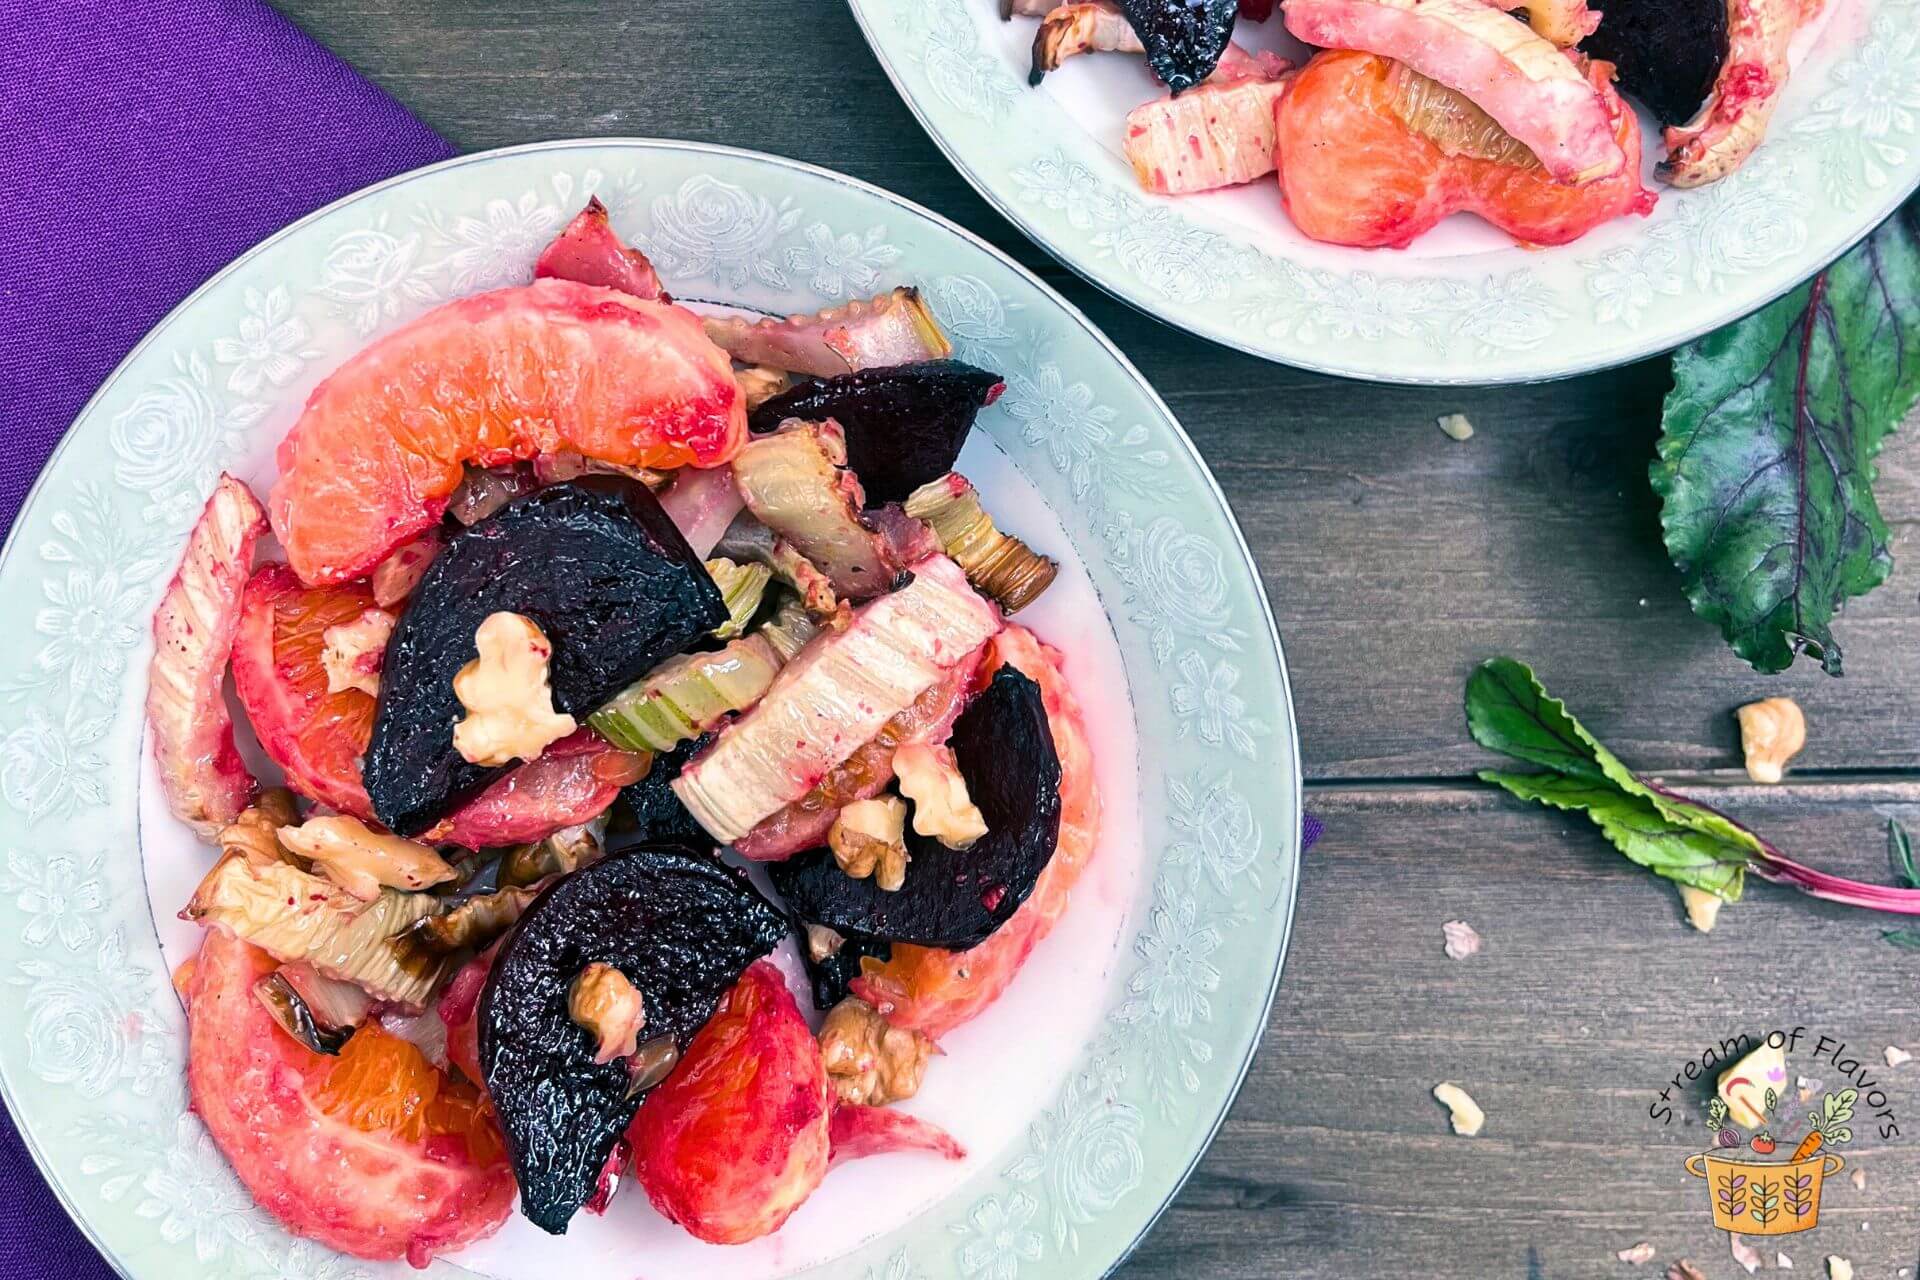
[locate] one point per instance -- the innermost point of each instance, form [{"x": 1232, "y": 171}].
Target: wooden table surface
[{"x": 1395, "y": 559}]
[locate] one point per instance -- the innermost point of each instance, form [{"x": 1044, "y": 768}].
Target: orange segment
[
  {"x": 383, "y": 1084},
  {"x": 500, "y": 376},
  {"x": 316, "y": 737},
  {"x": 359, "y": 1185}
]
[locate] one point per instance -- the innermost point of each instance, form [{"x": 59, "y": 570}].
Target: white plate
[
  {"x": 1083, "y": 1096},
  {"x": 1465, "y": 303}
]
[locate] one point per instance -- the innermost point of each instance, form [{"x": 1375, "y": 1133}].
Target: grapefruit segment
[
  {"x": 316, "y": 737},
  {"x": 932, "y": 990},
  {"x": 739, "y": 1135},
  {"x": 205, "y": 781},
  {"x": 366, "y": 1155},
  {"x": 500, "y": 376}
]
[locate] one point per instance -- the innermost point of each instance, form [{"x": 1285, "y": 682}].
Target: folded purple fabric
[{"x": 145, "y": 146}]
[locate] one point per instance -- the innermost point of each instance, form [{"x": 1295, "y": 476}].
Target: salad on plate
[
  {"x": 610, "y": 657},
  {"x": 1386, "y": 116}
]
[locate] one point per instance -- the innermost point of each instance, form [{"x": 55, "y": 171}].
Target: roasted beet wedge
[
  {"x": 957, "y": 898},
  {"x": 650, "y": 806},
  {"x": 904, "y": 423},
  {"x": 1667, "y": 52},
  {"x": 602, "y": 570},
  {"x": 681, "y": 927},
  {"x": 1184, "y": 38}
]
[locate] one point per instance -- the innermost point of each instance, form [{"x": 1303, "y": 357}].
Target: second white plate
[{"x": 1465, "y": 304}]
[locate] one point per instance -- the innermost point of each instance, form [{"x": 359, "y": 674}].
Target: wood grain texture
[
  {"x": 1396, "y": 558},
  {"x": 1589, "y": 996}
]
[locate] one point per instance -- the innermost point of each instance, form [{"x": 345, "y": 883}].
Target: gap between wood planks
[{"x": 1825, "y": 786}]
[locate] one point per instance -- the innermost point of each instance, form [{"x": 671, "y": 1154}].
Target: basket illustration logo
[{"x": 1751, "y": 1188}]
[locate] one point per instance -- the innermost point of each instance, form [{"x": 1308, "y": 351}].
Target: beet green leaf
[{"x": 1766, "y": 463}]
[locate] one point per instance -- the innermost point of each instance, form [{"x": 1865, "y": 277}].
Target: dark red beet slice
[
  {"x": 602, "y": 570},
  {"x": 1668, "y": 52},
  {"x": 956, "y": 898},
  {"x": 905, "y": 423},
  {"x": 648, "y": 809},
  {"x": 682, "y": 927},
  {"x": 1184, "y": 38}
]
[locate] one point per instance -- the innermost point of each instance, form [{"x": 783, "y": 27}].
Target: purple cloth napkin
[{"x": 145, "y": 146}]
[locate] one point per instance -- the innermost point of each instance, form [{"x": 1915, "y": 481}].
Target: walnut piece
[
  {"x": 1839, "y": 1268},
  {"x": 867, "y": 839},
  {"x": 823, "y": 943},
  {"x": 942, "y": 808},
  {"x": 1772, "y": 731},
  {"x": 1461, "y": 940},
  {"x": 760, "y": 383},
  {"x": 1467, "y": 1116},
  {"x": 1703, "y": 908},
  {"x": 509, "y": 704},
  {"x": 1639, "y": 1253},
  {"x": 360, "y": 860},
  {"x": 355, "y": 651},
  {"x": 609, "y": 1008},
  {"x": 870, "y": 1062},
  {"x": 253, "y": 836}
]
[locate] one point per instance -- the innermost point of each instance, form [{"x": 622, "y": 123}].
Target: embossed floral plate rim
[
  {"x": 1843, "y": 151},
  {"x": 90, "y": 1039}
]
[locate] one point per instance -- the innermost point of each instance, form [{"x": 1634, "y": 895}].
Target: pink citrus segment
[
  {"x": 205, "y": 781},
  {"x": 316, "y": 737},
  {"x": 934, "y": 991},
  {"x": 738, "y": 1136},
  {"x": 376, "y": 1155},
  {"x": 500, "y": 376}
]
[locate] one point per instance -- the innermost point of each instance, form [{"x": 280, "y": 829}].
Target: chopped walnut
[
  {"x": 355, "y": 651},
  {"x": 1772, "y": 732},
  {"x": 760, "y": 383},
  {"x": 1839, "y": 1268},
  {"x": 1466, "y": 1113},
  {"x": 252, "y": 834},
  {"x": 823, "y": 943},
  {"x": 868, "y": 839},
  {"x": 1703, "y": 908},
  {"x": 870, "y": 1062},
  {"x": 360, "y": 860},
  {"x": 509, "y": 704},
  {"x": 606, "y": 1005},
  {"x": 1896, "y": 1056},
  {"x": 942, "y": 808},
  {"x": 1639, "y": 1253},
  {"x": 1461, "y": 940}
]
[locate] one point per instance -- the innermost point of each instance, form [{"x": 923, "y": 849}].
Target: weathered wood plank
[
  {"x": 1589, "y": 996},
  {"x": 1396, "y": 558}
]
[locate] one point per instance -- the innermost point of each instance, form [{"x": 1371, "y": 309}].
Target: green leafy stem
[{"x": 1690, "y": 843}]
